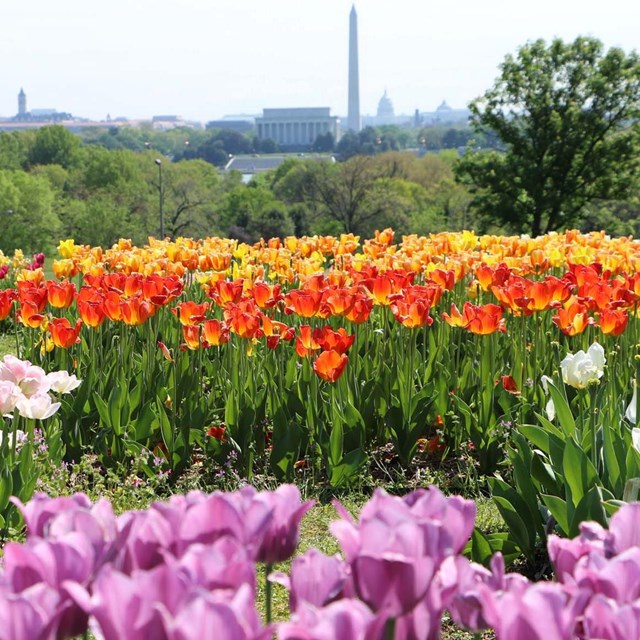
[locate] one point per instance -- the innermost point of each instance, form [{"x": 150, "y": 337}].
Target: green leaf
[
  {"x": 515, "y": 512},
  {"x": 6, "y": 487},
  {"x": 563, "y": 412},
  {"x": 116, "y": 402},
  {"x": 579, "y": 473},
  {"x": 480, "y": 548},
  {"x": 336, "y": 442},
  {"x": 589, "y": 508},
  {"x": 558, "y": 508},
  {"x": 103, "y": 409}
]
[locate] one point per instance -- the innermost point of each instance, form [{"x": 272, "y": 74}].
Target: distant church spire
[
  {"x": 22, "y": 103},
  {"x": 353, "y": 117}
]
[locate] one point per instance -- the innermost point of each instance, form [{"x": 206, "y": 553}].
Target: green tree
[
  {"x": 26, "y": 215},
  {"x": 14, "y": 148},
  {"x": 568, "y": 117},
  {"x": 54, "y": 145}
]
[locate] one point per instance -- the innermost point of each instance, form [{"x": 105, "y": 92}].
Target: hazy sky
[{"x": 206, "y": 58}]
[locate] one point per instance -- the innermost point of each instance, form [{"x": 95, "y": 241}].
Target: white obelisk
[{"x": 353, "y": 118}]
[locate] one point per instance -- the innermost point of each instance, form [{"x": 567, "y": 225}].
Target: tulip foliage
[
  {"x": 187, "y": 569},
  {"x": 316, "y": 351},
  {"x": 27, "y": 395}
]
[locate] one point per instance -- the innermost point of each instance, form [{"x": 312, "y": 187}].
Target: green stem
[
  {"x": 592, "y": 425},
  {"x": 267, "y": 592},
  {"x": 390, "y": 629}
]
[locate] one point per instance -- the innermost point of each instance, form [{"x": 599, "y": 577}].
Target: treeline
[{"x": 53, "y": 185}]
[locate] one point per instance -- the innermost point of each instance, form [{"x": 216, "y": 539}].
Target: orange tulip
[
  {"x": 305, "y": 303},
  {"x": 136, "y": 311},
  {"x": 456, "y": 319},
  {"x": 37, "y": 295},
  {"x": 7, "y": 297},
  {"x": 360, "y": 311},
  {"x": 63, "y": 333},
  {"x": 111, "y": 306},
  {"x": 243, "y": 319},
  {"x": 191, "y": 334},
  {"x": 329, "y": 365},
  {"x": 412, "y": 314},
  {"x": 29, "y": 315},
  {"x": 161, "y": 290},
  {"x": 338, "y": 301},
  {"x": 330, "y": 340},
  {"x": 225, "y": 292},
  {"x": 446, "y": 279},
  {"x": 613, "y": 321},
  {"x": 266, "y": 295},
  {"x": 306, "y": 344},
  {"x": 275, "y": 331},
  {"x": 60, "y": 294},
  {"x": 216, "y": 332},
  {"x": 91, "y": 313},
  {"x": 573, "y": 318},
  {"x": 486, "y": 319},
  {"x": 190, "y": 313}
]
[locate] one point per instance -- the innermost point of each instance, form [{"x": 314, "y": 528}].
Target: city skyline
[{"x": 211, "y": 59}]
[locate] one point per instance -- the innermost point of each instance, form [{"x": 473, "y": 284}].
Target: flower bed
[{"x": 183, "y": 568}]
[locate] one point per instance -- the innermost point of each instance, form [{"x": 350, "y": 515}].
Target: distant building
[
  {"x": 241, "y": 126},
  {"x": 165, "y": 123},
  {"x": 43, "y": 114},
  {"x": 385, "y": 107},
  {"x": 444, "y": 114},
  {"x": 297, "y": 128},
  {"x": 248, "y": 166},
  {"x": 385, "y": 114},
  {"x": 22, "y": 104}
]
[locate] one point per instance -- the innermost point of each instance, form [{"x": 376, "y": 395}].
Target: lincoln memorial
[{"x": 299, "y": 127}]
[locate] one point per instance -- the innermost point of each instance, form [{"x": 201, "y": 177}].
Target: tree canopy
[{"x": 568, "y": 116}]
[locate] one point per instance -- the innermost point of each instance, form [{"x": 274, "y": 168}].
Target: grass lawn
[{"x": 7, "y": 344}]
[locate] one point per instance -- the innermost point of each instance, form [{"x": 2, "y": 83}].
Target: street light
[{"x": 161, "y": 193}]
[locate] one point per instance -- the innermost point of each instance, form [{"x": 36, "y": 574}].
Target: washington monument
[{"x": 353, "y": 117}]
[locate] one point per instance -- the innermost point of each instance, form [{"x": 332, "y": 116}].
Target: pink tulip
[
  {"x": 217, "y": 614},
  {"x": 128, "y": 607},
  {"x": 342, "y": 620},
  {"x": 625, "y": 528},
  {"x": 13, "y": 369},
  {"x": 605, "y": 618},
  {"x": 316, "y": 579},
  {"x": 399, "y": 543},
  {"x": 280, "y": 538},
  {"x": 41, "y": 510},
  {"x": 29, "y": 614}
]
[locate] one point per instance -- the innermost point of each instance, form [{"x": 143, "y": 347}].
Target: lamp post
[{"x": 161, "y": 193}]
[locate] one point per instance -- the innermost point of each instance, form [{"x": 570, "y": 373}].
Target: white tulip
[
  {"x": 550, "y": 409},
  {"x": 581, "y": 369},
  {"x": 9, "y": 394},
  {"x": 21, "y": 437},
  {"x": 38, "y": 407},
  {"x": 630, "y": 413},
  {"x": 62, "y": 382}
]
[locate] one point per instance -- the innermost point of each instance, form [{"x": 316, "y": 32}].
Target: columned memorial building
[{"x": 298, "y": 127}]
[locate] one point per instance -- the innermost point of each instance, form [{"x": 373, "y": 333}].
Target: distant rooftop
[
  {"x": 259, "y": 164},
  {"x": 297, "y": 112}
]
